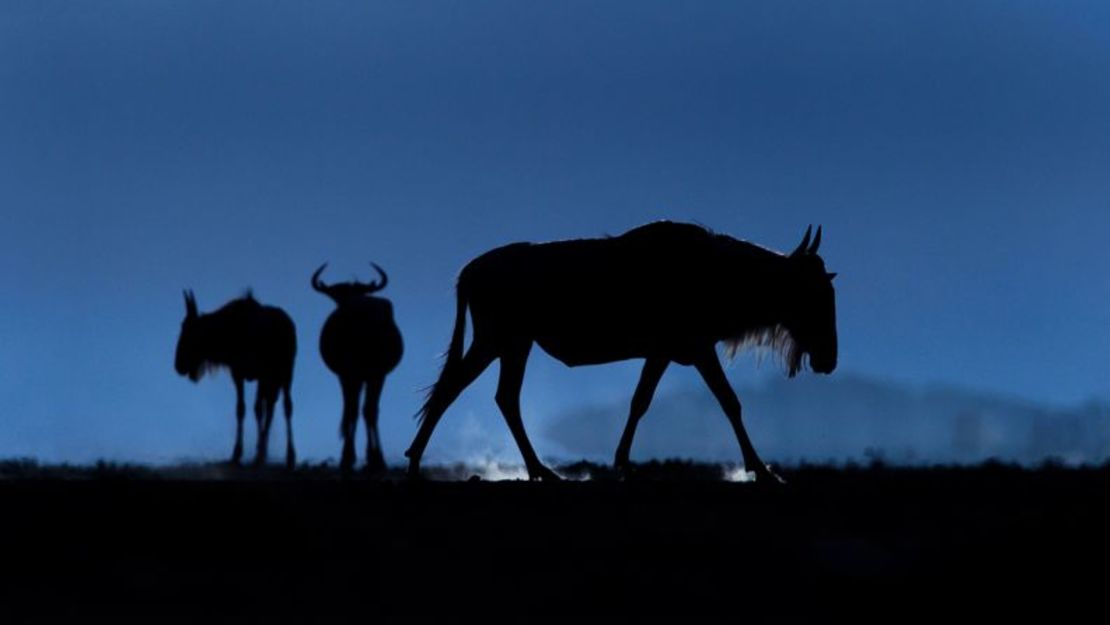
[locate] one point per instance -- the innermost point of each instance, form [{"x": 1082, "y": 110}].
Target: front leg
[
  {"x": 260, "y": 423},
  {"x": 240, "y": 413},
  {"x": 375, "y": 460},
  {"x": 709, "y": 366},
  {"x": 349, "y": 421}
]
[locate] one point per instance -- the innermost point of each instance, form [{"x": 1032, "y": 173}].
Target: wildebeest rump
[
  {"x": 361, "y": 344},
  {"x": 255, "y": 342},
  {"x": 665, "y": 292}
]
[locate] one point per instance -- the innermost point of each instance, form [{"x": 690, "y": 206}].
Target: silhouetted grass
[
  {"x": 220, "y": 543},
  {"x": 668, "y": 470}
]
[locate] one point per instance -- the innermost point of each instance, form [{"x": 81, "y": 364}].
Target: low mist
[{"x": 846, "y": 418}]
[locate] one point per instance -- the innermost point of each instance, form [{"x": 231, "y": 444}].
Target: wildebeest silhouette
[
  {"x": 255, "y": 342},
  {"x": 665, "y": 292},
  {"x": 361, "y": 344}
]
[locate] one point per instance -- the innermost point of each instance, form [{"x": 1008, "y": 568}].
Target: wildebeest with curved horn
[
  {"x": 255, "y": 342},
  {"x": 361, "y": 344},
  {"x": 665, "y": 292}
]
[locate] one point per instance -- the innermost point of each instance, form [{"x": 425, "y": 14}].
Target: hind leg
[
  {"x": 271, "y": 402},
  {"x": 290, "y": 452},
  {"x": 451, "y": 382},
  {"x": 375, "y": 460},
  {"x": 240, "y": 412},
  {"x": 260, "y": 422},
  {"x": 508, "y": 400},
  {"x": 351, "y": 391}
]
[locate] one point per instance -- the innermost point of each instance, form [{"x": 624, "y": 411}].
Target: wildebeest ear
[
  {"x": 831, "y": 275},
  {"x": 804, "y": 245},
  {"x": 190, "y": 304}
]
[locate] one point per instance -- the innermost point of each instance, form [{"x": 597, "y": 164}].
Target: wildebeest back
[
  {"x": 263, "y": 343},
  {"x": 654, "y": 289}
]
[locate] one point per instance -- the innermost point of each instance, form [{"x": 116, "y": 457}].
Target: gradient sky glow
[{"x": 956, "y": 152}]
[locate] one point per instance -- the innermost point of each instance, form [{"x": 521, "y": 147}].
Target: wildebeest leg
[
  {"x": 260, "y": 422},
  {"x": 347, "y": 427},
  {"x": 709, "y": 366},
  {"x": 375, "y": 461},
  {"x": 290, "y": 453},
  {"x": 641, "y": 399},
  {"x": 451, "y": 382},
  {"x": 240, "y": 412},
  {"x": 508, "y": 400},
  {"x": 271, "y": 403}
]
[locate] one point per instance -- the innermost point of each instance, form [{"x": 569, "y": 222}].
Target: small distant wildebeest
[
  {"x": 665, "y": 292},
  {"x": 361, "y": 344},
  {"x": 255, "y": 342}
]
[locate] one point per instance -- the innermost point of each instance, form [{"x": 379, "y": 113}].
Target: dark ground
[{"x": 839, "y": 544}]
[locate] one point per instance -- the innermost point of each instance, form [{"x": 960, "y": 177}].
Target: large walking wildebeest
[
  {"x": 255, "y": 342},
  {"x": 665, "y": 292},
  {"x": 361, "y": 344}
]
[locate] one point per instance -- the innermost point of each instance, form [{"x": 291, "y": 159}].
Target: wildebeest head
[
  {"x": 810, "y": 311},
  {"x": 189, "y": 360},
  {"x": 342, "y": 292}
]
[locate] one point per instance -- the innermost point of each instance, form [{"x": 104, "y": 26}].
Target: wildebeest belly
[
  {"x": 607, "y": 333},
  {"x": 585, "y": 350}
]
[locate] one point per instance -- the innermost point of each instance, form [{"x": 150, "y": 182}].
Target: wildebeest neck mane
[
  {"x": 774, "y": 339},
  {"x": 218, "y": 328},
  {"x": 209, "y": 367}
]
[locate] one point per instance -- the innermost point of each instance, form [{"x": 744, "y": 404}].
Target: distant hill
[{"x": 847, "y": 418}]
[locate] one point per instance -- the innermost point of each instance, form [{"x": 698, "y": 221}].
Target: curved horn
[
  {"x": 377, "y": 286},
  {"x": 318, "y": 284},
  {"x": 804, "y": 245},
  {"x": 816, "y": 242},
  {"x": 190, "y": 304}
]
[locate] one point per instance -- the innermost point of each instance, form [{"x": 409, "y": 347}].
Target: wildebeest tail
[{"x": 453, "y": 357}]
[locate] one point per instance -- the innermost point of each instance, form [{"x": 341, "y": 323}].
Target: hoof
[
  {"x": 347, "y": 460},
  {"x": 543, "y": 474},
  {"x": 414, "y": 464},
  {"x": 624, "y": 470},
  {"x": 767, "y": 477},
  {"x": 376, "y": 466},
  {"x": 374, "y": 473}
]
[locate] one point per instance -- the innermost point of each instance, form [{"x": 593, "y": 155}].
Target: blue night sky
[{"x": 957, "y": 154}]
